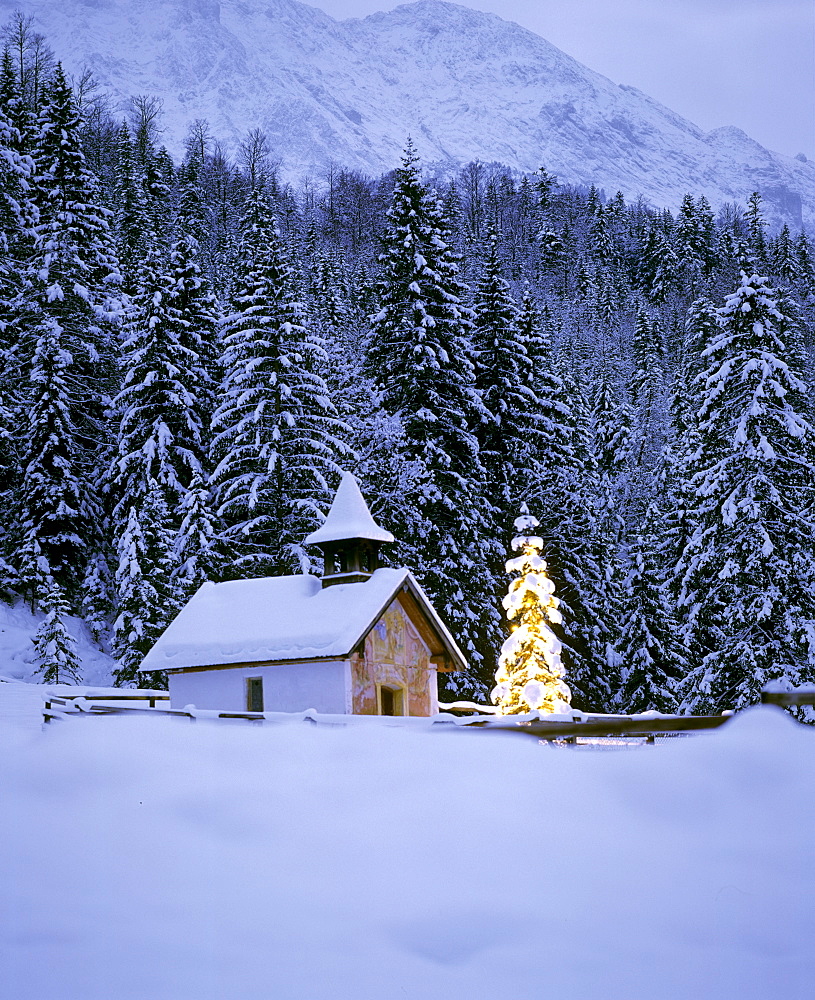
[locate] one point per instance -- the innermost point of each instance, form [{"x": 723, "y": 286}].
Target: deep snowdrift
[{"x": 148, "y": 858}]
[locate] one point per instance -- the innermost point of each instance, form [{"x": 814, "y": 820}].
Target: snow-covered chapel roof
[
  {"x": 348, "y": 518},
  {"x": 281, "y": 618}
]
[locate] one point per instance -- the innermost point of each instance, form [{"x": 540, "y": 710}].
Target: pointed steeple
[{"x": 349, "y": 538}]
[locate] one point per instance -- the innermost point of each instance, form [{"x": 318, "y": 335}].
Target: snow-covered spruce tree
[
  {"x": 695, "y": 239},
  {"x": 197, "y": 556},
  {"x": 652, "y": 657},
  {"x": 17, "y": 213},
  {"x": 748, "y": 569},
  {"x": 132, "y": 223},
  {"x": 786, "y": 264},
  {"x": 97, "y": 599},
  {"x": 54, "y": 646},
  {"x": 16, "y": 239},
  {"x": 658, "y": 267},
  {"x": 56, "y": 508},
  {"x": 77, "y": 273},
  {"x": 601, "y": 247},
  {"x": 421, "y": 358},
  {"x": 612, "y": 419},
  {"x": 674, "y": 509},
  {"x": 806, "y": 258},
  {"x": 67, "y": 319},
  {"x": 510, "y": 437},
  {"x": 688, "y": 391},
  {"x": 647, "y": 388},
  {"x": 756, "y": 232},
  {"x": 530, "y": 673},
  {"x": 376, "y": 438},
  {"x": 648, "y": 359},
  {"x": 162, "y": 406},
  {"x": 276, "y": 433},
  {"x": 147, "y": 599}
]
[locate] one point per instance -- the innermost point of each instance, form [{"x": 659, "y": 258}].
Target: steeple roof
[{"x": 349, "y": 518}]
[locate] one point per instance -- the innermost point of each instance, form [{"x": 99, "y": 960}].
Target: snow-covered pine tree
[
  {"x": 54, "y": 646},
  {"x": 162, "y": 408},
  {"x": 601, "y": 246},
  {"x": 147, "y": 599},
  {"x": 785, "y": 263},
  {"x": 17, "y": 220},
  {"x": 197, "y": 556},
  {"x": 530, "y": 672},
  {"x": 77, "y": 272},
  {"x": 68, "y": 318},
  {"x": 647, "y": 387},
  {"x": 56, "y": 511},
  {"x": 191, "y": 205},
  {"x": 132, "y": 223},
  {"x": 17, "y": 212},
  {"x": 612, "y": 419},
  {"x": 510, "y": 437},
  {"x": 658, "y": 266},
  {"x": 695, "y": 238},
  {"x": 652, "y": 657},
  {"x": 806, "y": 258},
  {"x": 756, "y": 232},
  {"x": 747, "y": 577},
  {"x": 674, "y": 510},
  {"x": 276, "y": 433},
  {"x": 421, "y": 357},
  {"x": 96, "y": 601}
]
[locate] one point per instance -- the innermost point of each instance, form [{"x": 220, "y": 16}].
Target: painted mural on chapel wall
[{"x": 395, "y": 656}]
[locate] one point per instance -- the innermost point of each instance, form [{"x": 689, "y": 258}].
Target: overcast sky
[{"x": 749, "y": 63}]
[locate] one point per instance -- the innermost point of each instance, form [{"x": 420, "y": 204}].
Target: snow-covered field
[{"x": 155, "y": 859}]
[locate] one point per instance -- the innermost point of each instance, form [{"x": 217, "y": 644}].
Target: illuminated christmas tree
[{"x": 529, "y": 669}]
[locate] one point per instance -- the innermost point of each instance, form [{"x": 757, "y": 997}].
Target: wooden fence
[
  {"x": 789, "y": 699},
  {"x": 598, "y": 727},
  {"x": 593, "y": 728},
  {"x": 60, "y": 706},
  {"x": 561, "y": 730}
]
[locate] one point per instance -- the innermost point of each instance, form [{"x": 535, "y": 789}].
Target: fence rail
[
  {"x": 589, "y": 727},
  {"x": 569, "y": 731},
  {"x": 60, "y": 706},
  {"x": 789, "y": 699},
  {"x": 599, "y": 728}
]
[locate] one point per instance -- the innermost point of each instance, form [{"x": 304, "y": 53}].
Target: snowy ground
[
  {"x": 18, "y": 626},
  {"x": 154, "y": 858}
]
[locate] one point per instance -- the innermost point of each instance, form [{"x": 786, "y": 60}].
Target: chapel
[{"x": 363, "y": 639}]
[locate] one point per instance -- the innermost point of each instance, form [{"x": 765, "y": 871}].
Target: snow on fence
[
  {"x": 64, "y": 704},
  {"x": 569, "y": 729}
]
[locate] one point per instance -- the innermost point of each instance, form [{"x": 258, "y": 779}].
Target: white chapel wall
[{"x": 290, "y": 687}]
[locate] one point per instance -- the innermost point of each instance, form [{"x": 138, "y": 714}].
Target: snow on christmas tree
[{"x": 529, "y": 669}]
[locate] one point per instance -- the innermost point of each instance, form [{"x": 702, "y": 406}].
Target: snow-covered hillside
[
  {"x": 467, "y": 85},
  {"x": 18, "y": 627},
  {"x": 151, "y": 858}
]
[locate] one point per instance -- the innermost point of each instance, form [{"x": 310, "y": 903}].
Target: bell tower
[{"x": 349, "y": 539}]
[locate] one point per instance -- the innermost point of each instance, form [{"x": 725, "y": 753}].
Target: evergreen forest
[{"x": 193, "y": 351}]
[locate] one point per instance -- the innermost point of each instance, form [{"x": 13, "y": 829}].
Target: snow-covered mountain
[{"x": 466, "y": 85}]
